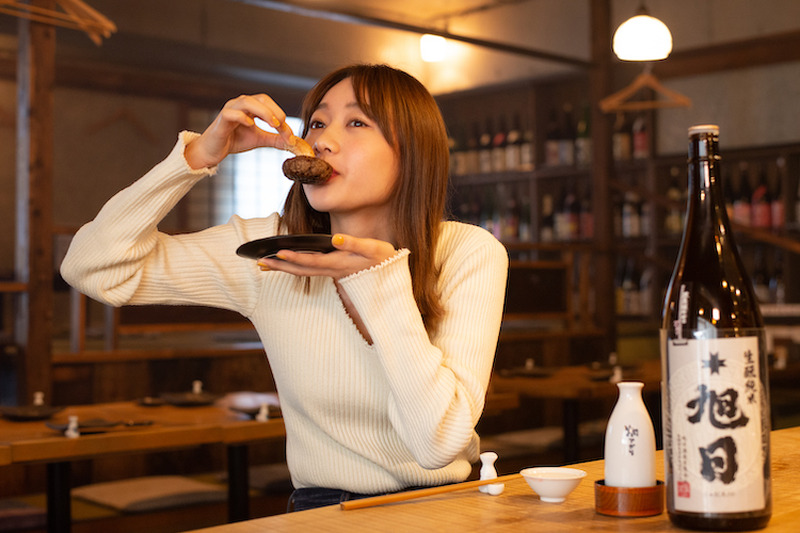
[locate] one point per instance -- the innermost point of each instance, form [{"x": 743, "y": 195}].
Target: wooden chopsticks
[{"x": 421, "y": 493}]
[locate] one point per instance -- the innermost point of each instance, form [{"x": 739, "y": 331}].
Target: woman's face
[{"x": 365, "y": 166}]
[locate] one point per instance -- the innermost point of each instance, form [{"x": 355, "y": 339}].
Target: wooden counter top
[{"x": 518, "y": 508}]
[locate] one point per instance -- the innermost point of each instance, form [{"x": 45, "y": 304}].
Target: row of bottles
[
  {"x": 633, "y": 288},
  {"x": 568, "y": 141},
  {"x": 631, "y": 137},
  {"x": 495, "y": 148},
  {"x": 504, "y": 210},
  {"x": 768, "y": 280},
  {"x": 755, "y": 197},
  {"x": 570, "y": 218},
  {"x": 632, "y": 216}
]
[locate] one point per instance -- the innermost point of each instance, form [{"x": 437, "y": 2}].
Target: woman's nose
[{"x": 325, "y": 141}]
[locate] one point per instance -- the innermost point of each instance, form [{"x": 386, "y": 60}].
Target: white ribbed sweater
[{"x": 365, "y": 418}]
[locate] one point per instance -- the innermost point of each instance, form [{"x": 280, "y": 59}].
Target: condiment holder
[
  {"x": 628, "y": 501},
  {"x": 630, "y": 487}
]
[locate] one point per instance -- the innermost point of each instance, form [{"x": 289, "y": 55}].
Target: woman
[{"x": 382, "y": 349}]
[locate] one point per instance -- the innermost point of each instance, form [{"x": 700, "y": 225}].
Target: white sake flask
[{"x": 630, "y": 442}]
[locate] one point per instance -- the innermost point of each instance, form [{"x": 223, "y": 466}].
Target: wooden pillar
[
  {"x": 34, "y": 239},
  {"x": 600, "y": 82}
]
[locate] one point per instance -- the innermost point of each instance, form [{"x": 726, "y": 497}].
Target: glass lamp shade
[
  {"x": 642, "y": 38},
  {"x": 432, "y": 48}
]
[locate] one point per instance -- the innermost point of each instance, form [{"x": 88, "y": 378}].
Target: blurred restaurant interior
[{"x": 573, "y": 158}]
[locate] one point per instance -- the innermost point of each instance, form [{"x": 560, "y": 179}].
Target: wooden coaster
[{"x": 625, "y": 501}]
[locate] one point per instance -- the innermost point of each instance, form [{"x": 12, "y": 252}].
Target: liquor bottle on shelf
[
  {"x": 458, "y": 152},
  {"x": 730, "y": 193},
  {"x": 485, "y": 149},
  {"x": 760, "y": 276},
  {"x": 673, "y": 222},
  {"x": 761, "y": 203},
  {"x": 499, "y": 147},
  {"x": 621, "y": 139},
  {"x": 640, "y": 138},
  {"x": 619, "y": 294},
  {"x": 527, "y": 149},
  {"x": 513, "y": 145},
  {"x": 715, "y": 387},
  {"x": 583, "y": 138},
  {"x": 472, "y": 161},
  {"x": 778, "y": 205},
  {"x": 631, "y": 216},
  {"x": 525, "y": 217},
  {"x": 646, "y": 288},
  {"x": 551, "y": 140},
  {"x": 547, "y": 231},
  {"x": 742, "y": 202},
  {"x": 567, "y": 136},
  {"x": 511, "y": 214},
  {"x": 487, "y": 216},
  {"x": 777, "y": 285},
  {"x": 630, "y": 289},
  {"x": 586, "y": 221}
]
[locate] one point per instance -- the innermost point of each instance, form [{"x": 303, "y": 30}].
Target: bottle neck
[{"x": 706, "y": 209}]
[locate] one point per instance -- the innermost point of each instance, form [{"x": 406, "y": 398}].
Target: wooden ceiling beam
[{"x": 748, "y": 53}]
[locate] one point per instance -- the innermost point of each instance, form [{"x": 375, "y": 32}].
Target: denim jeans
[{"x": 311, "y": 498}]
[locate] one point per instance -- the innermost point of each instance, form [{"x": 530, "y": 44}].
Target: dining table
[
  {"x": 519, "y": 508},
  {"x": 573, "y": 385},
  {"x": 133, "y": 427}
]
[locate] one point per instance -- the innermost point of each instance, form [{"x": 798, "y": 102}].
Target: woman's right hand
[{"x": 234, "y": 130}]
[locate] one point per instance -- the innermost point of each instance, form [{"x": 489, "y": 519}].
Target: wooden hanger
[
  {"x": 646, "y": 80},
  {"x": 75, "y": 15},
  {"x": 123, "y": 115}
]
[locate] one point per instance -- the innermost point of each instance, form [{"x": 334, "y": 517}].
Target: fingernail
[
  {"x": 338, "y": 239},
  {"x": 275, "y": 122},
  {"x": 281, "y": 257}
]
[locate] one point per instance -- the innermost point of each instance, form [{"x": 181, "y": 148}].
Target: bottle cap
[{"x": 704, "y": 128}]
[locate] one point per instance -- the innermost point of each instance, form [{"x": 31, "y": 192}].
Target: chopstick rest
[{"x": 421, "y": 493}]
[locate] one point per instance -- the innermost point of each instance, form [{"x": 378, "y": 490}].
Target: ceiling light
[
  {"x": 642, "y": 38},
  {"x": 432, "y": 48}
]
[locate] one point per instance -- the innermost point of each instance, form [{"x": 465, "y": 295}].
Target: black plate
[
  {"x": 95, "y": 425},
  {"x": 150, "y": 401},
  {"x": 189, "y": 399},
  {"x": 270, "y": 246},
  {"x": 29, "y": 412},
  {"x": 274, "y": 411},
  {"x": 522, "y": 372}
]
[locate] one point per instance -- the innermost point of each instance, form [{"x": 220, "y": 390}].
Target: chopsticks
[{"x": 421, "y": 493}]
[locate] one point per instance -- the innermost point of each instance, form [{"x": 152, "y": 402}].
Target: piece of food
[{"x": 305, "y": 167}]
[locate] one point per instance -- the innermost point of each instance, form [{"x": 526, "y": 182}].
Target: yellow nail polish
[{"x": 338, "y": 239}]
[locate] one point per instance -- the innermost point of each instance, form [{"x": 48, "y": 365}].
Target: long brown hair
[{"x": 411, "y": 121}]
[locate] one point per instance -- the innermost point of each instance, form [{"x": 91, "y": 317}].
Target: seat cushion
[{"x": 151, "y": 493}]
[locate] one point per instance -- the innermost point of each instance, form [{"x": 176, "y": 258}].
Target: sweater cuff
[{"x": 184, "y": 138}]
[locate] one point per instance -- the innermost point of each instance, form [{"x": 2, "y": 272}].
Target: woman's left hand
[{"x": 352, "y": 255}]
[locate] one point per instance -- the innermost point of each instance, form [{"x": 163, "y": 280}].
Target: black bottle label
[{"x": 715, "y": 435}]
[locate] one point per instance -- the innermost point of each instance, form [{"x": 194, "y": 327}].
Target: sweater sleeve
[
  {"x": 438, "y": 383},
  {"x": 121, "y": 258}
]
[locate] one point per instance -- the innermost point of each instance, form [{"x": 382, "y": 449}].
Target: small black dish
[
  {"x": 522, "y": 372},
  {"x": 26, "y": 413},
  {"x": 150, "y": 401},
  {"x": 95, "y": 425},
  {"x": 274, "y": 411},
  {"x": 189, "y": 399},
  {"x": 270, "y": 246}
]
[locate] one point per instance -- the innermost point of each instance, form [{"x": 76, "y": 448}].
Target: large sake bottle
[{"x": 715, "y": 387}]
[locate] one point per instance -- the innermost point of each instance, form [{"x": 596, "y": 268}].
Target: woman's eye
[
  {"x": 316, "y": 124},
  {"x": 358, "y": 123}
]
